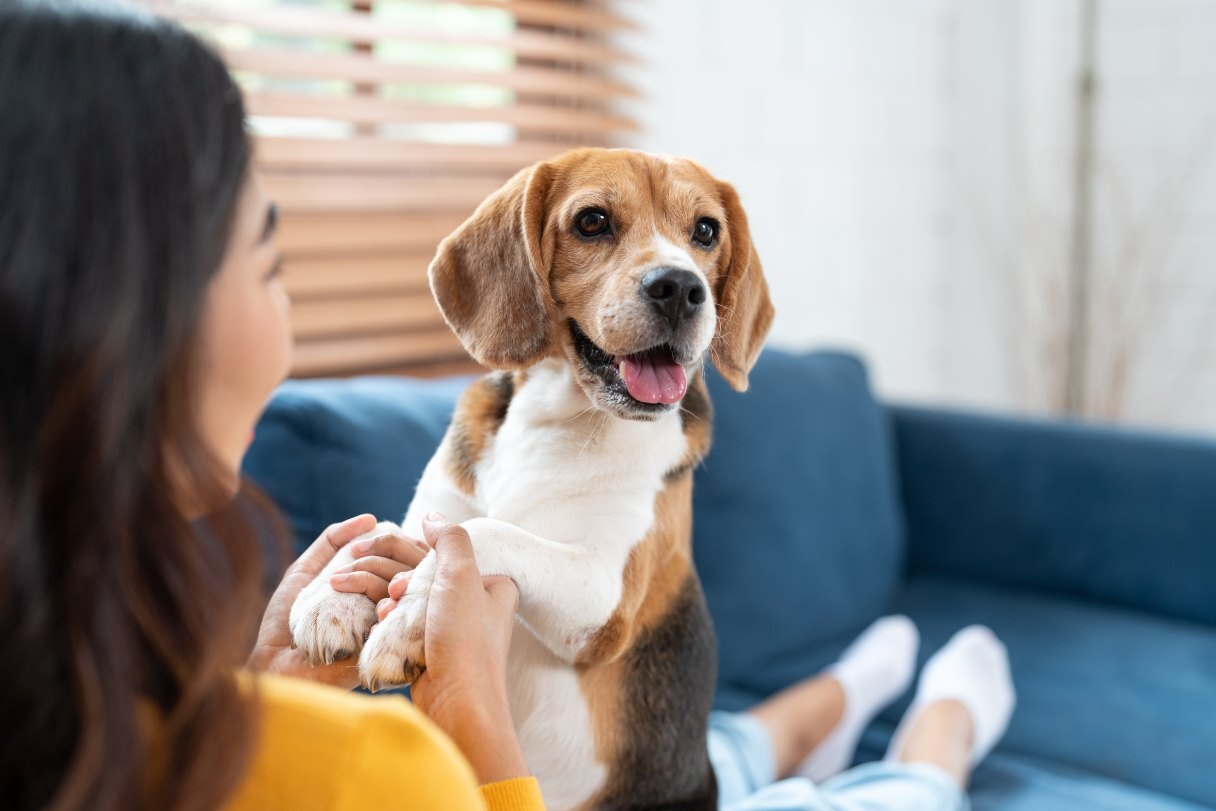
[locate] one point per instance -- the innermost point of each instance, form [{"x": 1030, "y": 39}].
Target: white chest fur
[
  {"x": 560, "y": 469},
  {"x": 573, "y": 475}
]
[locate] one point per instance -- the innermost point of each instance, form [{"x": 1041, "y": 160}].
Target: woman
[{"x": 142, "y": 328}]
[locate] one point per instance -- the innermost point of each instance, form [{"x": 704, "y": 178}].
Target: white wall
[
  {"x": 907, "y": 168},
  {"x": 1157, "y": 195},
  {"x": 830, "y": 119}
]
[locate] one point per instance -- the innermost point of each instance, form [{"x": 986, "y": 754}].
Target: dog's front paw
[
  {"x": 329, "y": 626},
  {"x": 393, "y": 654}
]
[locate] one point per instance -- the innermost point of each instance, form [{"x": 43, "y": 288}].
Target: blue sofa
[{"x": 1091, "y": 552}]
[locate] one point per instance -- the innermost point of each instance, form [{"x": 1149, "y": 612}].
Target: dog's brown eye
[
  {"x": 592, "y": 223},
  {"x": 705, "y": 231}
]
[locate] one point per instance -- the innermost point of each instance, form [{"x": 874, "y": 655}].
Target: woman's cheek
[{"x": 286, "y": 341}]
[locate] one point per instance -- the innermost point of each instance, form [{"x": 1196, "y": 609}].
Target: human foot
[
  {"x": 972, "y": 669},
  {"x": 875, "y": 670}
]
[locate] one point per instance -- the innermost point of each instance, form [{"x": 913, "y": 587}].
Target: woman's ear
[
  {"x": 491, "y": 279},
  {"x": 745, "y": 311}
]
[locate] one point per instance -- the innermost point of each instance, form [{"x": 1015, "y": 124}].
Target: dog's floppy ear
[
  {"x": 491, "y": 278},
  {"x": 745, "y": 311}
]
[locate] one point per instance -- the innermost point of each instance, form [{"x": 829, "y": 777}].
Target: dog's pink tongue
[{"x": 653, "y": 378}]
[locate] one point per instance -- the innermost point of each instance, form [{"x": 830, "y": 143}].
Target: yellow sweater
[{"x": 322, "y": 748}]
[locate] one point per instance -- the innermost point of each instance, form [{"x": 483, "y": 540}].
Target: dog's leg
[
  {"x": 332, "y": 625},
  {"x": 567, "y": 592},
  {"x": 329, "y": 625},
  {"x": 394, "y": 652}
]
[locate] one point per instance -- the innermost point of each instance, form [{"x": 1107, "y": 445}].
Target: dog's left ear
[
  {"x": 745, "y": 311},
  {"x": 491, "y": 278}
]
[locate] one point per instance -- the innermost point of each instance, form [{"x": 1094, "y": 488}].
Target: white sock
[
  {"x": 875, "y": 670},
  {"x": 972, "y": 669}
]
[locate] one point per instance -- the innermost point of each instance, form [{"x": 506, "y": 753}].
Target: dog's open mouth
[{"x": 651, "y": 376}]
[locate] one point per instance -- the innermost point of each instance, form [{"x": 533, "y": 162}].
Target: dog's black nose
[{"x": 676, "y": 294}]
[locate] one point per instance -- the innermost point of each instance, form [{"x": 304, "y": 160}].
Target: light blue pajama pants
[{"x": 742, "y": 757}]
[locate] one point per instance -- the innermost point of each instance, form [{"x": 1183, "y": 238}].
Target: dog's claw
[
  {"x": 332, "y": 627},
  {"x": 411, "y": 672}
]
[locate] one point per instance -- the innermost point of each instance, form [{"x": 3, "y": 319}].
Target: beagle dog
[{"x": 595, "y": 284}]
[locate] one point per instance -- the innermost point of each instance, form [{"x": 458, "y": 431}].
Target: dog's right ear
[{"x": 490, "y": 276}]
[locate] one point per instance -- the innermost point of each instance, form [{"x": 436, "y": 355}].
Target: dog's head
[{"x": 628, "y": 265}]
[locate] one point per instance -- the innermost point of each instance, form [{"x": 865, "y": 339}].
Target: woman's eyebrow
[{"x": 272, "y": 222}]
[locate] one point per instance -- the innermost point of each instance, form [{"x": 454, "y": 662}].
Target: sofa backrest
[
  {"x": 798, "y": 536},
  {"x": 1122, "y": 516},
  {"x": 326, "y": 450}
]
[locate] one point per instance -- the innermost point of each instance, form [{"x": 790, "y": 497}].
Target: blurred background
[{"x": 1003, "y": 204}]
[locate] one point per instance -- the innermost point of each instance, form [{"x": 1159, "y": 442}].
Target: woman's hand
[
  {"x": 377, "y": 561},
  {"x": 468, "y": 632},
  {"x": 273, "y": 652}
]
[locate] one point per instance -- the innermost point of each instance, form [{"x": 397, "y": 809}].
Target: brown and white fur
[{"x": 567, "y": 484}]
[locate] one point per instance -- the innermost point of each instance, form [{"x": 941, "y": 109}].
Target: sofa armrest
[{"x": 1095, "y": 512}]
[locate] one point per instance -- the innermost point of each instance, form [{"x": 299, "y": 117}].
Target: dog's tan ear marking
[
  {"x": 490, "y": 276},
  {"x": 745, "y": 311}
]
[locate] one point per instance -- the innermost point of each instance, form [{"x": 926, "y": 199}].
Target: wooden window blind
[{"x": 379, "y": 125}]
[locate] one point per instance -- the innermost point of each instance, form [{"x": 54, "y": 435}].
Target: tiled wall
[{"x": 907, "y": 168}]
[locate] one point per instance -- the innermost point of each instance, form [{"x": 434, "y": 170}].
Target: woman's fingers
[
  {"x": 370, "y": 576},
  {"x": 501, "y": 589},
  {"x": 453, "y": 547},
  {"x": 310, "y": 564},
  {"x": 409, "y": 551},
  {"x": 504, "y": 595},
  {"x": 398, "y": 585},
  {"x": 383, "y": 607},
  {"x": 340, "y": 534},
  {"x": 332, "y": 539},
  {"x": 376, "y": 588},
  {"x": 384, "y": 568},
  {"x": 457, "y": 562}
]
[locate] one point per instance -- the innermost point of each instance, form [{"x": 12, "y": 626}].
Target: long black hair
[{"x": 122, "y": 159}]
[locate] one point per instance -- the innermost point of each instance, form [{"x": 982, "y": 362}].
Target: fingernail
[
  {"x": 339, "y": 578},
  {"x": 350, "y": 567},
  {"x": 398, "y": 576},
  {"x": 436, "y": 517},
  {"x": 361, "y": 547}
]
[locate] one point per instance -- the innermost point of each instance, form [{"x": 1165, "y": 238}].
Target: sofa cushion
[
  {"x": 326, "y": 450},
  {"x": 1008, "y": 782},
  {"x": 1114, "y": 707},
  {"x": 1013, "y": 781},
  {"x": 1116, "y": 693},
  {"x": 797, "y": 530}
]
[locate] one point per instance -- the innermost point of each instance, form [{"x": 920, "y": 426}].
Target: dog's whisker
[
  {"x": 696, "y": 417},
  {"x": 581, "y": 413},
  {"x": 595, "y": 429}
]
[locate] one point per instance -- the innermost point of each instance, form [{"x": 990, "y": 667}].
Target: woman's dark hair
[{"x": 122, "y": 158}]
